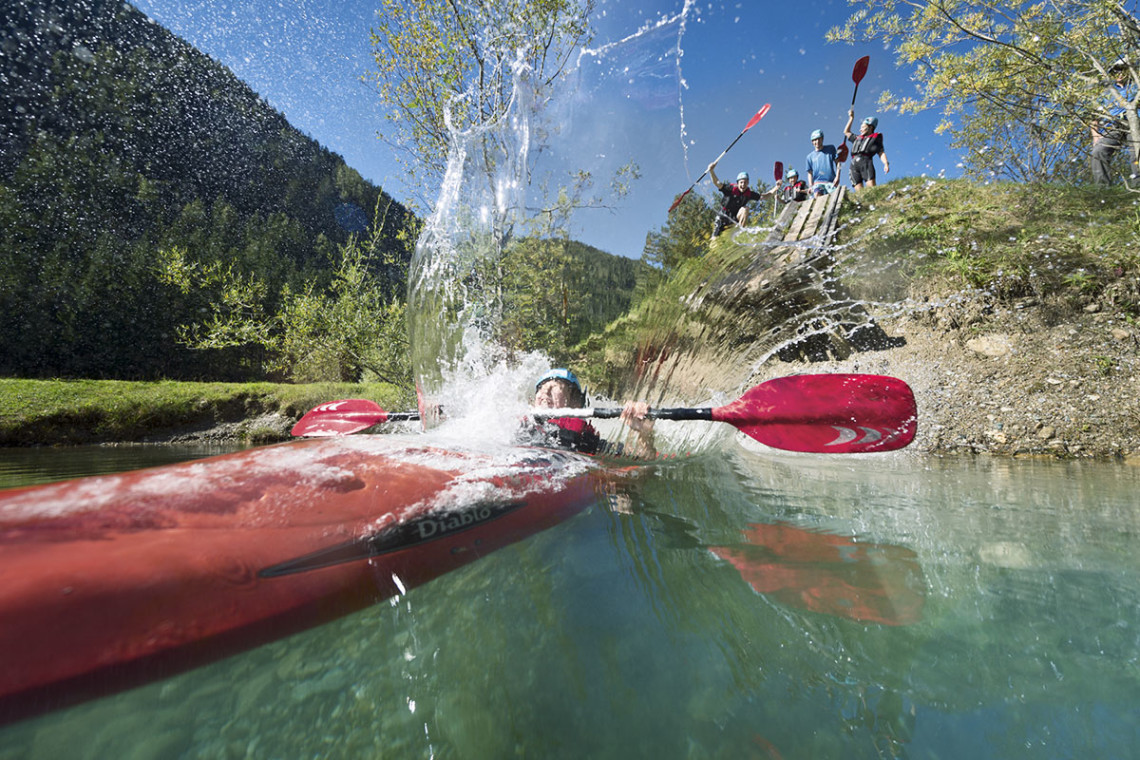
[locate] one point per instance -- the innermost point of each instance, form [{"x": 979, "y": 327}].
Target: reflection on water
[
  {"x": 1013, "y": 631},
  {"x": 29, "y": 466},
  {"x": 876, "y": 583}
]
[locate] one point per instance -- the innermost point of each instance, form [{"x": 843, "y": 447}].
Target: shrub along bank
[{"x": 60, "y": 412}]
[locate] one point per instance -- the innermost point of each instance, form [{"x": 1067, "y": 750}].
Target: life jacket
[
  {"x": 860, "y": 144},
  {"x": 795, "y": 191},
  {"x": 569, "y": 433},
  {"x": 735, "y": 198}
]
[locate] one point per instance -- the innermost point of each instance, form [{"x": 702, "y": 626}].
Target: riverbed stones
[{"x": 993, "y": 346}]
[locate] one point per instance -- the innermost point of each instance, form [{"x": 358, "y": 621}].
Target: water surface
[{"x": 741, "y": 604}]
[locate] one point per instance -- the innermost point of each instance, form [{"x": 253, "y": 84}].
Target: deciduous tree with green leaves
[
  {"x": 445, "y": 65},
  {"x": 1019, "y": 83},
  {"x": 352, "y": 330}
]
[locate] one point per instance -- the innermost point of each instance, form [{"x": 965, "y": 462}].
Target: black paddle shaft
[
  {"x": 402, "y": 416},
  {"x": 680, "y": 413}
]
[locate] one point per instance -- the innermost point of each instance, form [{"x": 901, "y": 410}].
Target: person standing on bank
[
  {"x": 864, "y": 147},
  {"x": 736, "y": 199},
  {"x": 823, "y": 176},
  {"x": 1110, "y": 134}
]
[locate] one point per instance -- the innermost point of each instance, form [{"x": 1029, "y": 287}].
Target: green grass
[
  {"x": 83, "y": 411},
  {"x": 919, "y": 238},
  {"x": 1015, "y": 240}
]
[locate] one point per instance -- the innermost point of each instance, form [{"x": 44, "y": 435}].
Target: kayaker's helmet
[
  {"x": 579, "y": 395},
  {"x": 792, "y": 173},
  {"x": 742, "y": 176},
  {"x": 871, "y": 122},
  {"x": 817, "y": 135}
]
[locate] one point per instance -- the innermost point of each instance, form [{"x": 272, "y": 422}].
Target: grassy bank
[
  {"x": 56, "y": 412},
  {"x": 1075, "y": 244},
  {"x": 918, "y": 240}
]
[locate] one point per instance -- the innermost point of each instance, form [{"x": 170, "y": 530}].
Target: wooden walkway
[
  {"x": 789, "y": 297},
  {"x": 812, "y": 222}
]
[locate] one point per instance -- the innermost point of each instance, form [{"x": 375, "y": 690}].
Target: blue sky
[{"x": 306, "y": 58}]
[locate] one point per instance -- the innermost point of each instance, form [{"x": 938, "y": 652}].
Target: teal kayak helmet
[
  {"x": 567, "y": 376},
  {"x": 792, "y": 173},
  {"x": 559, "y": 374},
  {"x": 817, "y": 135},
  {"x": 871, "y": 122},
  {"x": 742, "y": 175}
]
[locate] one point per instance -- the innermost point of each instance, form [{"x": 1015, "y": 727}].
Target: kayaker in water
[
  {"x": 560, "y": 389},
  {"x": 736, "y": 199}
]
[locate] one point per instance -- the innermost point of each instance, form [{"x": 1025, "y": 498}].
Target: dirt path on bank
[{"x": 1032, "y": 379}]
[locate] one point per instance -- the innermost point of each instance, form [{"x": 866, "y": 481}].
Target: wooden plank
[
  {"x": 797, "y": 226},
  {"x": 811, "y": 227},
  {"x": 831, "y": 220},
  {"x": 783, "y": 222}
]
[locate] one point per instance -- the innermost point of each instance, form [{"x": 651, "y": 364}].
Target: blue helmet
[
  {"x": 817, "y": 135},
  {"x": 871, "y": 122},
  {"x": 560, "y": 374},
  {"x": 742, "y": 175}
]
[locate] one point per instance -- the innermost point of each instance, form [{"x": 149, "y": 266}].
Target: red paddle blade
[
  {"x": 759, "y": 115},
  {"x": 834, "y": 414},
  {"x": 860, "y": 69},
  {"x": 841, "y": 156},
  {"x": 339, "y": 418},
  {"x": 677, "y": 202},
  {"x": 778, "y": 172}
]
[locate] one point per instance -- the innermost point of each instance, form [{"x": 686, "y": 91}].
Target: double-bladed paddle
[
  {"x": 835, "y": 413},
  {"x": 751, "y": 123},
  {"x": 345, "y": 417}
]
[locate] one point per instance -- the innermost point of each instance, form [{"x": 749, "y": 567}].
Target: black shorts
[{"x": 862, "y": 170}]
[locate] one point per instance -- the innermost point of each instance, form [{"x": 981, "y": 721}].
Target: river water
[{"x": 740, "y": 603}]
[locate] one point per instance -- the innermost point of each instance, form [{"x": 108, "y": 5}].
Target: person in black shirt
[
  {"x": 864, "y": 147},
  {"x": 736, "y": 199}
]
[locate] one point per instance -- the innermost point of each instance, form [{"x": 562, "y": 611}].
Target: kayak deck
[{"x": 111, "y": 581}]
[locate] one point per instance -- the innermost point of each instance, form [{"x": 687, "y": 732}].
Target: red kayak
[{"x": 112, "y": 581}]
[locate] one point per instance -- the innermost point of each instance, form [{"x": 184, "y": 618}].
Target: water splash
[{"x": 456, "y": 298}]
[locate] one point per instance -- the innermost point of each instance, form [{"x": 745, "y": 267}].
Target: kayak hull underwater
[{"x": 112, "y": 581}]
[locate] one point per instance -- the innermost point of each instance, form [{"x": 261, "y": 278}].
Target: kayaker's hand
[
  {"x": 640, "y": 442},
  {"x": 634, "y": 414}
]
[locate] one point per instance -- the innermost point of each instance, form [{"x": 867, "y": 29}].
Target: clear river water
[{"x": 736, "y": 604}]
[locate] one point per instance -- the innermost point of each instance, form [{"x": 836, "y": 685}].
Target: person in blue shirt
[
  {"x": 823, "y": 176},
  {"x": 1110, "y": 134}
]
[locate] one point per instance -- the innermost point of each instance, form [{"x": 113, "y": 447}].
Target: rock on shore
[{"x": 1031, "y": 379}]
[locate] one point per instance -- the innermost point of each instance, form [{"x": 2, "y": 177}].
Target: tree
[
  {"x": 1035, "y": 71},
  {"x": 352, "y": 330},
  {"x": 444, "y": 65},
  {"x": 685, "y": 236}
]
